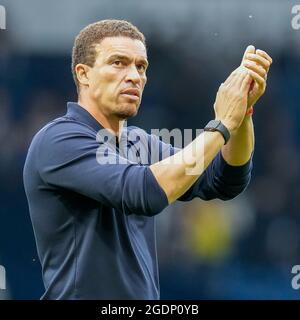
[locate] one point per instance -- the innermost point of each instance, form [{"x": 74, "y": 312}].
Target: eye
[
  {"x": 117, "y": 63},
  {"x": 141, "y": 67}
]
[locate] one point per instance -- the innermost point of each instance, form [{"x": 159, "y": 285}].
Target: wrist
[
  {"x": 228, "y": 124},
  {"x": 246, "y": 125},
  {"x": 219, "y": 126},
  {"x": 248, "y": 119}
]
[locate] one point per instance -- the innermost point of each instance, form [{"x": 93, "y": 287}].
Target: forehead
[{"x": 122, "y": 45}]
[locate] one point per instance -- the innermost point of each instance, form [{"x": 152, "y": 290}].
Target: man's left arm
[
  {"x": 229, "y": 174},
  {"x": 238, "y": 151}
]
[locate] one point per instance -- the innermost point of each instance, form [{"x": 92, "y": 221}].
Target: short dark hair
[{"x": 84, "y": 46}]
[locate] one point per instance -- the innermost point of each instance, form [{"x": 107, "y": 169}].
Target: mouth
[{"x": 131, "y": 93}]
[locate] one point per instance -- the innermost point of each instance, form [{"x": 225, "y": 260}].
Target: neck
[{"x": 111, "y": 123}]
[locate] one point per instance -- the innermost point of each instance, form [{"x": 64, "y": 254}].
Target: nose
[{"x": 133, "y": 75}]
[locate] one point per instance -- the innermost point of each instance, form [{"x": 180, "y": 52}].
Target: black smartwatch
[{"x": 217, "y": 125}]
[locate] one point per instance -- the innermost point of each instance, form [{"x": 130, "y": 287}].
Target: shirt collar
[{"x": 77, "y": 112}]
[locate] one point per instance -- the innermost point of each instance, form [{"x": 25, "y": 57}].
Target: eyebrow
[{"x": 126, "y": 58}]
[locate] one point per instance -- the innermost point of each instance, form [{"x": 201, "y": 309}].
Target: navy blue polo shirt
[{"x": 93, "y": 206}]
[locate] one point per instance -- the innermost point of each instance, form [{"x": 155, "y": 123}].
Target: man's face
[{"x": 118, "y": 77}]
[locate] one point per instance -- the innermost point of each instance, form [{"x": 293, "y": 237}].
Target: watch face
[{"x": 213, "y": 124}]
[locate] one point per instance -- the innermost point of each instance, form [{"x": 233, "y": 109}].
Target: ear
[{"x": 82, "y": 73}]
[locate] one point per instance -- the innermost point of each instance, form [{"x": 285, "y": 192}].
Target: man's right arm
[{"x": 68, "y": 157}]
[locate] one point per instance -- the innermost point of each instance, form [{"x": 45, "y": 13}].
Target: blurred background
[{"x": 241, "y": 249}]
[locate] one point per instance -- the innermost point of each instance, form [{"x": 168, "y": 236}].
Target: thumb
[{"x": 249, "y": 49}]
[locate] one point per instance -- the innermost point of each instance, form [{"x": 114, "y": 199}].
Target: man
[{"x": 94, "y": 218}]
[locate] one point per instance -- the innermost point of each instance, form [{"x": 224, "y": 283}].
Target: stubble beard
[{"x": 126, "y": 112}]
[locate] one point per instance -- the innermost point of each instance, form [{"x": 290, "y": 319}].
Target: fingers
[
  {"x": 257, "y": 78},
  {"x": 249, "y": 49},
  {"x": 265, "y": 55},
  {"x": 260, "y": 60},
  {"x": 258, "y": 65},
  {"x": 256, "y": 68}
]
